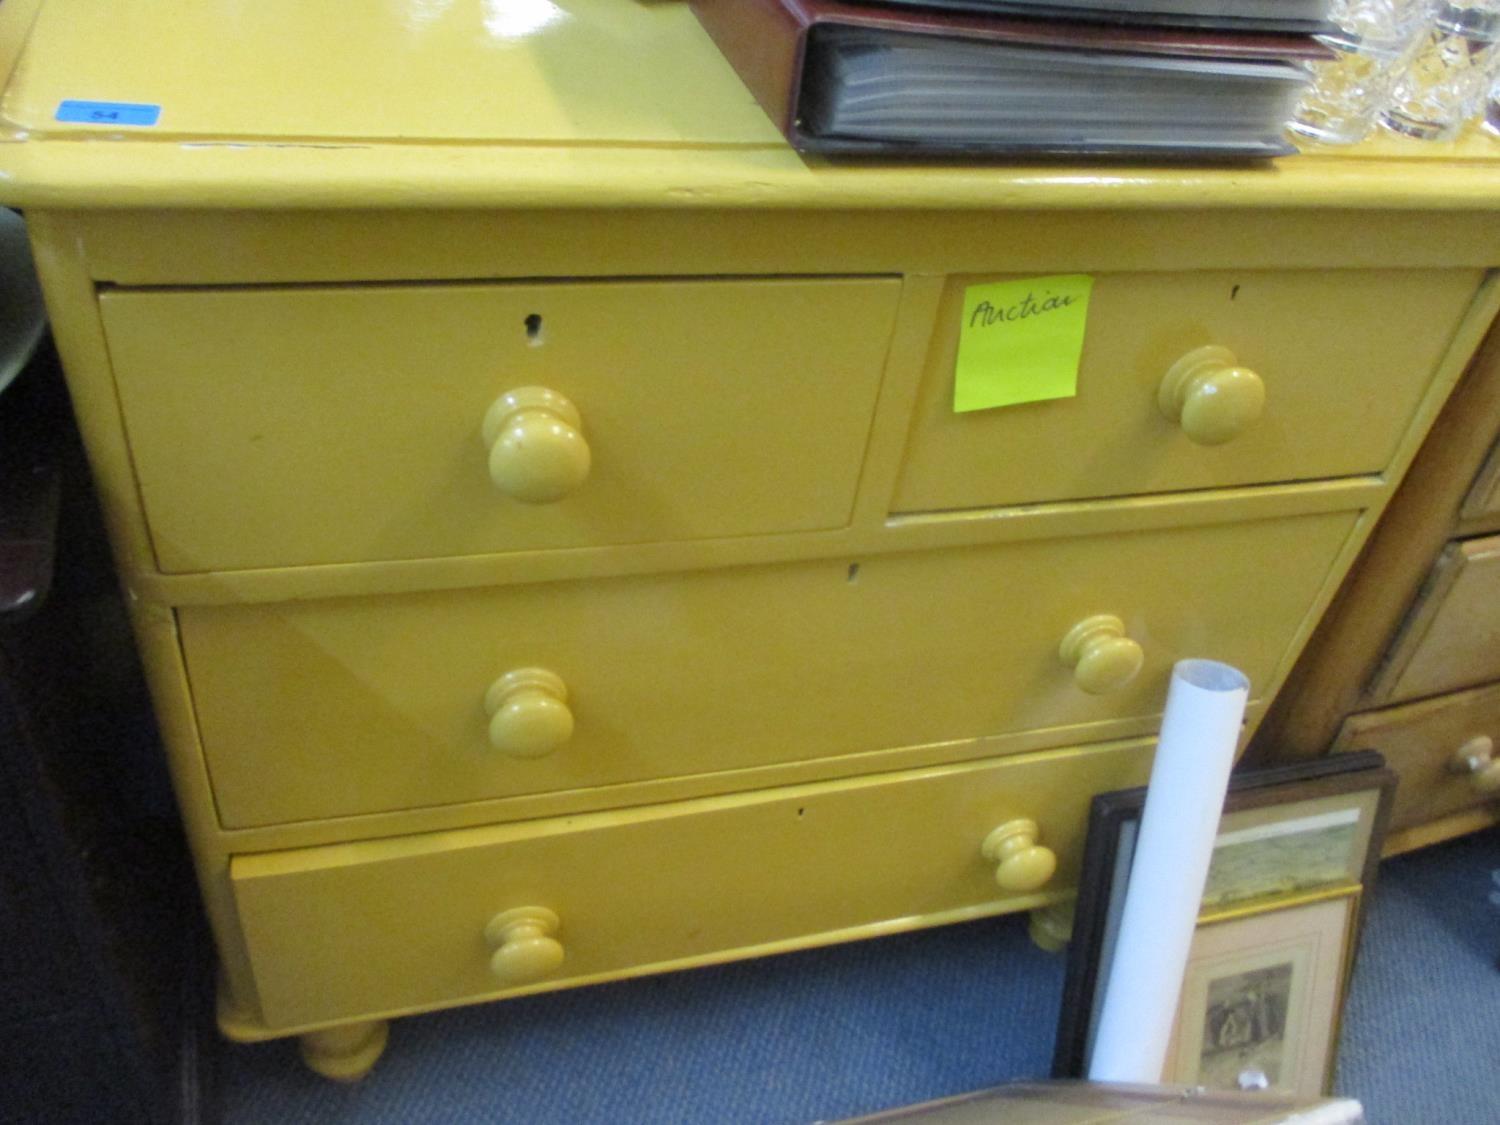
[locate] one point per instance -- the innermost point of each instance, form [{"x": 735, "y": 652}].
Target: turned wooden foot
[
  {"x": 1051, "y": 927},
  {"x": 345, "y": 1053}
]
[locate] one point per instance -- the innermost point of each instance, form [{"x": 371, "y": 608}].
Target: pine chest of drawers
[{"x": 553, "y": 548}]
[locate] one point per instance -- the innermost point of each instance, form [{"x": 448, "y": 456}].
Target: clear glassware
[
  {"x": 1492, "y": 105},
  {"x": 1445, "y": 82},
  {"x": 1374, "y": 42}
]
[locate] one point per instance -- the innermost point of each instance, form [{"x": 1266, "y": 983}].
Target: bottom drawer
[
  {"x": 388, "y": 926},
  {"x": 1422, "y": 743}
]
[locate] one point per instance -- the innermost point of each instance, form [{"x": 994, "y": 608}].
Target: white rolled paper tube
[{"x": 1184, "y": 800}]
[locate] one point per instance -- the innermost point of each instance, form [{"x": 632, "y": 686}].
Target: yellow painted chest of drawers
[{"x": 553, "y": 549}]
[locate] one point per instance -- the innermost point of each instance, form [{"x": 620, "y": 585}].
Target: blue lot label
[{"x": 108, "y": 113}]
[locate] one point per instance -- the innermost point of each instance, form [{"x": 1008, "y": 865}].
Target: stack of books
[{"x": 1129, "y": 78}]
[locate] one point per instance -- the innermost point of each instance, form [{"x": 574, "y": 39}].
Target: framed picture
[
  {"x": 1293, "y": 863},
  {"x": 1261, "y": 997}
]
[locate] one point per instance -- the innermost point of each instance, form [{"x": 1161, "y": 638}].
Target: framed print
[
  {"x": 1289, "y": 838},
  {"x": 1261, "y": 998}
]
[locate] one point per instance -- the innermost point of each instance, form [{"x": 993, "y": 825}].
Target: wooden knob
[
  {"x": 1021, "y": 863},
  {"x": 1102, "y": 657},
  {"x": 524, "y": 948},
  {"x": 1211, "y": 397},
  {"x": 529, "y": 716},
  {"x": 1476, "y": 758},
  {"x": 535, "y": 439}
]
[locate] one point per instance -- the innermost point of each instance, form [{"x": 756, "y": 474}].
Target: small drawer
[
  {"x": 284, "y": 427},
  {"x": 638, "y": 678},
  {"x": 400, "y": 924},
  {"x": 1343, "y": 358},
  {"x": 1444, "y": 750},
  {"x": 1483, "y": 500},
  {"x": 1448, "y": 639}
]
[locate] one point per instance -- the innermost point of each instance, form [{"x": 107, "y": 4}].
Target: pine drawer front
[
  {"x": 686, "y": 674},
  {"x": 283, "y": 427},
  {"x": 1483, "y": 500},
  {"x": 1444, "y": 750},
  {"x": 399, "y": 924},
  {"x": 1342, "y": 356},
  {"x": 1449, "y": 640}
]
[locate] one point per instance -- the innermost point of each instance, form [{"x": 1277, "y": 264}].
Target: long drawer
[
  {"x": 284, "y": 427},
  {"x": 401, "y": 924},
  {"x": 331, "y": 708},
  {"x": 1343, "y": 359}
]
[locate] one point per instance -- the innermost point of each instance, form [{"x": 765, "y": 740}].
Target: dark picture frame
[{"x": 1236, "y": 889}]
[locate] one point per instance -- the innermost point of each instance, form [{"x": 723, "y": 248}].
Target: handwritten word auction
[{"x": 986, "y": 314}]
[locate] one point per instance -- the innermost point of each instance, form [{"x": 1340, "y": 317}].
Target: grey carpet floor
[{"x": 834, "y": 1032}]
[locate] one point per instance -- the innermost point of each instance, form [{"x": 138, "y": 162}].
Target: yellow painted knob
[
  {"x": 1476, "y": 758},
  {"x": 529, "y": 716},
  {"x": 1021, "y": 863},
  {"x": 535, "y": 439},
  {"x": 523, "y": 943},
  {"x": 1102, "y": 657},
  {"x": 1211, "y": 397}
]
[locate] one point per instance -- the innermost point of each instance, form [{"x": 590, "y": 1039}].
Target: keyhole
[{"x": 534, "y": 330}]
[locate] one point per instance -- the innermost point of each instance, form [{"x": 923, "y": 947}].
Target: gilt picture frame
[
  {"x": 1294, "y": 861},
  {"x": 1262, "y": 995}
]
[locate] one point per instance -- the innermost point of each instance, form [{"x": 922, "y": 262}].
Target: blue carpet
[
  {"x": 1422, "y": 1021},
  {"x": 834, "y": 1032}
]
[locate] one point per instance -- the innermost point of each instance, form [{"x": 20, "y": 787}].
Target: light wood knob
[
  {"x": 1476, "y": 758},
  {"x": 529, "y": 715},
  {"x": 1102, "y": 657},
  {"x": 1021, "y": 863},
  {"x": 1211, "y": 397},
  {"x": 524, "y": 948},
  {"x": 535, "y": 439}
]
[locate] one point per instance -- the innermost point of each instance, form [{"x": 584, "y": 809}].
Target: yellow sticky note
[{"x": 1020, "y": 341}]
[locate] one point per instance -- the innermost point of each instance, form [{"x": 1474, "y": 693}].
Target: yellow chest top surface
[
  {"x": 520, "y": 72},
  {"x": 573, "y": 102}
]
